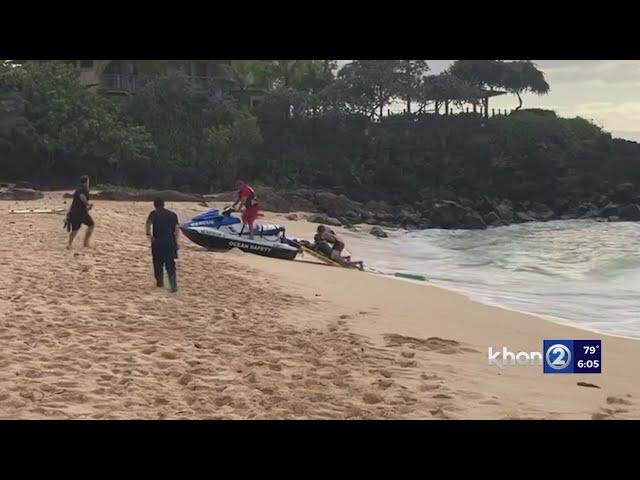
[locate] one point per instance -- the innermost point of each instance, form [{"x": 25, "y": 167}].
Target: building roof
[{"x": 492, "y": 93}]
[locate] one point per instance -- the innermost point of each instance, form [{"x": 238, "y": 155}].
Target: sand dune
[{"x": 86, "y": 334}]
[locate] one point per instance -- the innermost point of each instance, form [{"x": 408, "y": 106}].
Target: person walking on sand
[
  {"x": 247, "y": 199},
  {"x": 337, "y": 246},
  {"x": 164, "y": 243},
  {"x": 79, "y": 213}
]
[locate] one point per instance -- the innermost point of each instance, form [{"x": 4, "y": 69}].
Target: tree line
[{"x": 317, "y": 125}]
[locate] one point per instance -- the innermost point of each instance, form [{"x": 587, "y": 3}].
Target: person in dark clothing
[
  {"x": 164, "y": 243},
  {"x": 79, "y": 213}
]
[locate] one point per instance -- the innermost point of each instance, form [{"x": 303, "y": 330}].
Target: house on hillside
[{"x": 125, "y": 77}]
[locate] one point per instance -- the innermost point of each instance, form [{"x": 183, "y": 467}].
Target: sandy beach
[{"x": 85, "y": 334}]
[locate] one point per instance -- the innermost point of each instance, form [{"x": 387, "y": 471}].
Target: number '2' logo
[{"x": 558, "y": 356}]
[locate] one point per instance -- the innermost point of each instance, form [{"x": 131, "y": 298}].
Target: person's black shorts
[{"x": 79, "y": 219}]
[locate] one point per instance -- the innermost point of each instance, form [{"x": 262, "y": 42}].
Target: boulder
[
  {"x": 505, "y": 210},
  {"x": 624, "y": 192},
  {"x": 473, "y": 220},
  {"x": 630, "y": 213},
  {"x": 524, "y": 217},
  {"x": 438, "y": 194},
  {"x": 585, "y": 210},
  {"x": 378, "y": 207},
  {"x": 272, "y": 201},
  {"x": 541, "y": 212},
  {"x": 608, "y": 211},
  {"x": 221, "y": 197},
  {"x": 378, "y": 232},
  {"x": 337, "y": 205},
  {"x": 560, "y": 205},
  {"x": 447, "y": 214},
  {"x": 613, "y": 218},
  {"x": 292, "y": 216},
  {"x": 20, "y": 194},
  {"x": 24, "y": 184},
  {"x": 493, "y": 219},
  {"x": 323, "y": 218}
]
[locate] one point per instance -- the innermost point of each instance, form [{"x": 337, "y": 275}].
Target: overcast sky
[{"x": 605, "y": 91}]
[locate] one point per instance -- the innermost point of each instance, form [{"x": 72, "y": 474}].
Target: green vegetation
[{"x": 315, "y": 127}]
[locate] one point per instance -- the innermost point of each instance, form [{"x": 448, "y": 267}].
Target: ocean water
[{"x": 576, "y": 272}]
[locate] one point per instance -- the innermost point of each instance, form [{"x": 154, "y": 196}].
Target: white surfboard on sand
[{"x": 38, "y": 210}]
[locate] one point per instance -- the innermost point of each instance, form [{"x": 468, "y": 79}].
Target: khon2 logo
[{"x": 572, "y": 356}]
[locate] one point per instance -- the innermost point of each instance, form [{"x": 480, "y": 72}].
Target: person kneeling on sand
[
  {"x": 337, "y": 246},
  {"x": 164, "y": 243},
  {"x": 79, "y": 213}
]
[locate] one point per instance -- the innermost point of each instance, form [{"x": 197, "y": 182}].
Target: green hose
[{"x": 411, "y": 277}]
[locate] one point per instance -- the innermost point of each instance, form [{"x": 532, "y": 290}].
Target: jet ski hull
[{"x": 213, "y": 240}]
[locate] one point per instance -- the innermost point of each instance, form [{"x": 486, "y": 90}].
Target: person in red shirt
[{"x": 247, "y": 199}]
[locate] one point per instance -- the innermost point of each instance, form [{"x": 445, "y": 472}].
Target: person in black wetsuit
[
  {"x": 164, "y": 243},
  {"x": 79, "y": 213}
]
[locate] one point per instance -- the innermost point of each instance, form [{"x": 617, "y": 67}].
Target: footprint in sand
[
  {"x": 384, "y": 384},
  {"x": 428, "y": 387},
  {"x": 372, "y": 398}
]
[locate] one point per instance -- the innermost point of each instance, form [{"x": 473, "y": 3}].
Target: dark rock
[
  {"x": 493, "y": 219},
  {"x": 408, "y": 218},
  {"x": 23, "y": 184},
  {"x": 630, "y": 213},
  {"x": 378, "y": 207},
  {"x": 438, "y": 194},
  {"x": 465, "y": 202},
  {"x": 610, "y": 210},
  {"x": 583, "y": 210},
  {"x": 602, "y": 201},
  {"x": 378, "y": 232},
  {"x": 624, "y": 192},
  {"x": 541, "y": 212},
  {"x": 20, "y": 194},
  {"x": 272, "y": 201},
  {"x": 323, "y": 218},
  {"x": 473, "y": 220},
  {"x": 560, "y": 205},
  {"x": 448, "y": 214},
  {"x": 505, "y": 210},
  {"x": 145, "y": 196},
  {"x": 485, "y": 206},
  {"x": 221, "y": 197},
  {"x": 613, "y": 218},
  {"x": 524, "y": 217},
  {"x": 337, "y": 205},
  {"x": 589, "y": 214},
  {"x": 292, "y": 216}
]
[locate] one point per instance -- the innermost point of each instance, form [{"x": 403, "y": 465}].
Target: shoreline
[
  {"x": 496, "y": 304},
  {"x": 254, "y": 337}
]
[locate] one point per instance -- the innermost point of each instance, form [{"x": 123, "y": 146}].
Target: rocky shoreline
[{"x": 434, "y": 208}]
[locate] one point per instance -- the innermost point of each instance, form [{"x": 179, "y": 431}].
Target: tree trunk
[
  {"x": 408, "y": 105},
  {"x": 381, "y": 110},
  {"x": 446, "y": 107},
  {"x": 437, "y": 108},
  {"x": 519, "y": 101}
]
